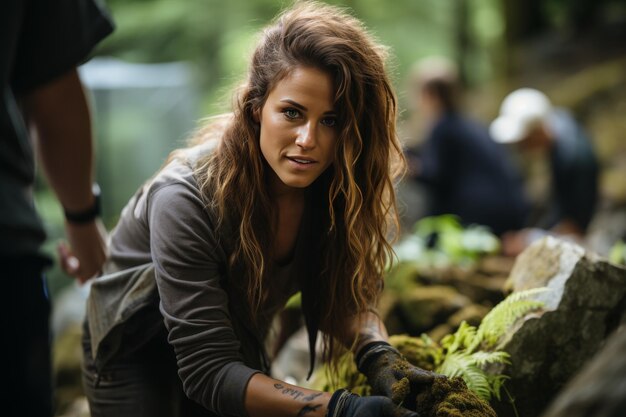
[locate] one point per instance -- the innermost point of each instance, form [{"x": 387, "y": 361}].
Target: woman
[{"x": 290, "y": 193}]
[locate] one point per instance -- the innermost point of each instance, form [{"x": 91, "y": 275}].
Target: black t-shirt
[
  {"x": 469, "y": 175},
  {"x": 40, "y": 40}
]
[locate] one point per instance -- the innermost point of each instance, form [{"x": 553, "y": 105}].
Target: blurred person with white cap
[
  {"x": 464, "y": 171},
  {"x": 530, "y": 123}
]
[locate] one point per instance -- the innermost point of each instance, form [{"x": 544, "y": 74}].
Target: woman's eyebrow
[
  {"x": 294, "y": 103},
  {"x": 303, "y": 108}
]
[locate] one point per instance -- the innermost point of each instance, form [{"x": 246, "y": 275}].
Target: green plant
[
  {"x": 441, "y": 241},
  {"x": 469, "y": 350},
  {"x": 294, "y": 302},
  {"x": 495, "y": 324},
  {"x": 465, "y": 353},
  {"x": 617, "y": 255}
]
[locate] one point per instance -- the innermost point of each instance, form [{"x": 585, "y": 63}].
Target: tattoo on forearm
[
  {"x": 308, "y": 409},
  {"x": 299, "y": 395},
  {"x": 293, "y": 393},
  {"x": 312, "y": 396}
]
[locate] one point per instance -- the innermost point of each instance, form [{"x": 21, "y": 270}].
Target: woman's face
[{"x": 299, "y": 128}]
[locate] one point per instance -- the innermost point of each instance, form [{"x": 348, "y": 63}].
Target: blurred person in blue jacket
[
  {"x": 465, "y": 172},
  {"x": 536, "y": 129}
]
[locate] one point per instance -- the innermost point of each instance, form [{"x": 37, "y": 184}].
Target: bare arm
[
  {"x": 268, "y": 397},
  {"x": 513, "y": 243},
  {"x": 367, "y": 330},
  {"x": 569, "y": 227},
  {"x": 58, "y": 115}
]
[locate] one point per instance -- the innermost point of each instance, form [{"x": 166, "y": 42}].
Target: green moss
[
  {"x": 400, "y": 366},
  {"x": 450, "y": 397},
  {"x": 420, "y": 352},
  {"x": 400, "y": 390}
]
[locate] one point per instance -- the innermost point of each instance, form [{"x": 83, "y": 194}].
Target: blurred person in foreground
[
  {"x": 42, "y": 42},
  {"x": 291, "y": 192},
  {"x": 465, "y": 172},
  {"x": 536, "y": 129}
]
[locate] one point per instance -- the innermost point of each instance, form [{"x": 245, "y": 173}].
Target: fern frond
[
  {"x": 478, "y": 382},
  {"x": 461, "y": 339},
  {"x": 463, "y": 365},
  {"x": 454, "y": 363},
  {"x": 495, "y": 324},
  {"x": 467, "y": 334},
  {"x": 482, "y": 358},
  {"x": 462, "y": 354},
  {"x": 497, "y": 382},
  {"x": 523, "y": 295}
]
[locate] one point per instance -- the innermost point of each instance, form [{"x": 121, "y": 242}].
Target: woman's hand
[
  {"x": 389, "y": 374},
  {"x": 345, "y": 404}
]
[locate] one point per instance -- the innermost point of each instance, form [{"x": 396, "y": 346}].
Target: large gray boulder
[
  {"x": 599, "y": 390},
  {"x": 586, "y": 303}
]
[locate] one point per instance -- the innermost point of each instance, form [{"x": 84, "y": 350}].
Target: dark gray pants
[{"x": 143, "y": 383}]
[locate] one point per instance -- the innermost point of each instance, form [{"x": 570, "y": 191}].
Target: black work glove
[
  {"x": 343, "y": 403},
  {"x": 389, "y": 374}
]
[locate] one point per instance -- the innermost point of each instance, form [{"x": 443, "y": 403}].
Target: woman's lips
[{"x": 301, "y": 162}]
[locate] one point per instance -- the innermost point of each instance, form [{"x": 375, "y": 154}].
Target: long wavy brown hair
[{"x": 361, "y": 214}]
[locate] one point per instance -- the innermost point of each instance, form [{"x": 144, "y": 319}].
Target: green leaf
[
  {"x": 617, "y": 255},
  {"x": 482, "y": 358},
  {"x": 463, "y": 365},
  {"x": 495, "y": 324},
  {"x": 497, "y": 382},
  {"x": 462, "y": 338},
  {"x": 294, "y": 302}
]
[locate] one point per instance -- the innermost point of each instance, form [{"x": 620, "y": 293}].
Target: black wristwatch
[{"x": 87, "y": 215}]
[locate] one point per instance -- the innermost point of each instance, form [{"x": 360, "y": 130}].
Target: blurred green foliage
[
  {"x": 441, "y": 242},
  {"x": 618, "y": 253},
  {"x": 217, "y": 36}
]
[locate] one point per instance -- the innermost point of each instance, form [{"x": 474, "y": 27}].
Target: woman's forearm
[
  {"x": 369, "y": 329},
  {"x": 268, "y": 397}
]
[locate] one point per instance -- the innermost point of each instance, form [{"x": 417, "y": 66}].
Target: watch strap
[{"x": 88, "y": 215}]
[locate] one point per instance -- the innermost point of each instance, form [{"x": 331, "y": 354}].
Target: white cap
[{"x": 520, "y": 112}]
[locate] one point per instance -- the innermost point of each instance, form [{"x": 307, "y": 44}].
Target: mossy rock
[
  {"x": 419, "y": 352},
  {"x": 425, "y": 307},
  {"x": 450, "y": 397}
]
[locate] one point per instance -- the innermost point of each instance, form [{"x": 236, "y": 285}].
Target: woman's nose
[{"x": 306, "y": 136}]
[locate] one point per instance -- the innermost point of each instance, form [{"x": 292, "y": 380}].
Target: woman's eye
[
  {"x": 329, "y": 121},
  {"x": 291, "y": 113}
]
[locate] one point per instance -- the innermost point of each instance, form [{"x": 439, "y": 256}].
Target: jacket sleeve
[{"x": 188, "y": 268}]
